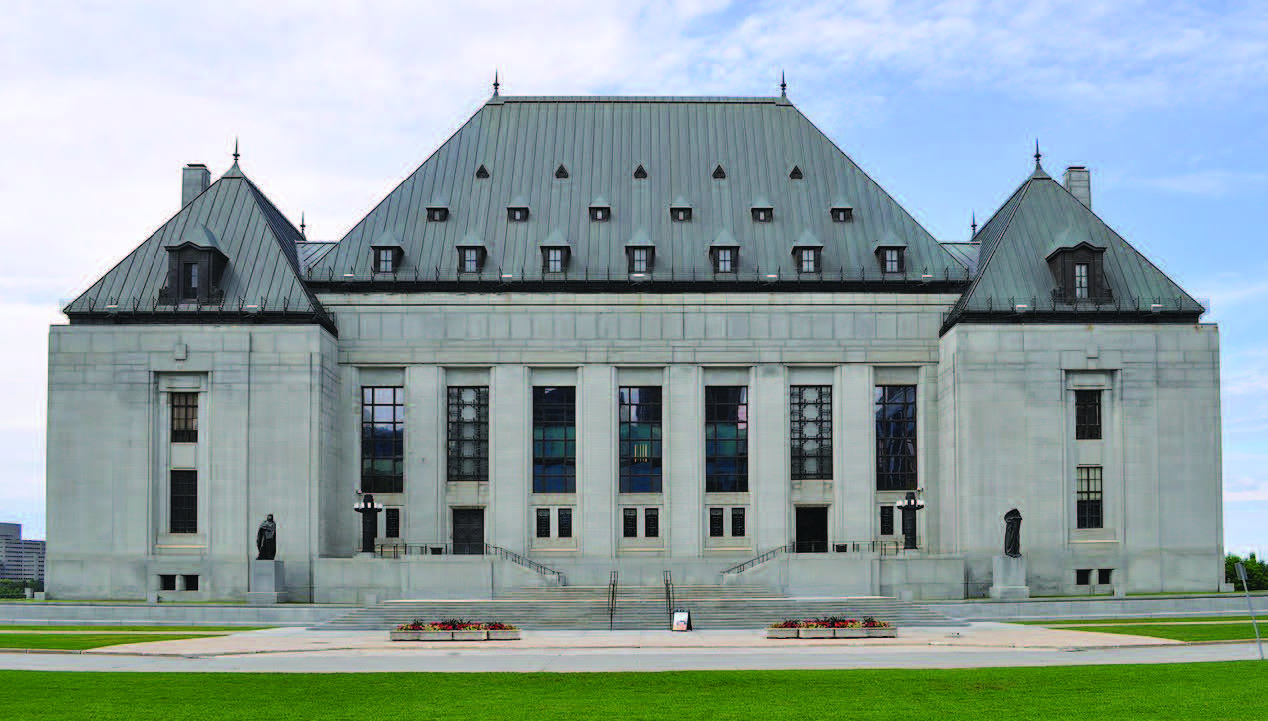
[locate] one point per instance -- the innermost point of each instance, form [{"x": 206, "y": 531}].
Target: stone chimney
[
  {"x": 194, "y": 179},
  {"x": 1078, "y": 181}
]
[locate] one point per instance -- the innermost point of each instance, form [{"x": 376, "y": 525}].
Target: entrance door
[
  {"x": 468, "y": 531},
  {"x": 812, "y": 529}
]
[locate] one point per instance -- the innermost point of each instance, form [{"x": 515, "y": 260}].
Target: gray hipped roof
[
  {"x": 234, "y": 217},
  {"x": 601, "y": 140},
  {"x": 1039, "y": 218}
]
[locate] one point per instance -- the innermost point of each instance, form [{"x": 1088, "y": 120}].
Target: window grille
[
  {"x": 726, "y": 439},
  {"x": 715, "y": 523},
  {"x": 810, "y": 436},
  {"x": 392, "y": 523},
  {"x": 1087, "y": 415},
  {"x": 895, "y": 438},
  {"x": 887, "y": 520},
  {"x": 183, "y": 496},
  {"x": 1089, "y": 510},
  {"x": 651, "y": 522},
  {"x": 737, "y": 522},
  {"x": 543, "y": 523},
  {"x": 382, "y": 439},
  {"x": 468, "y": 431},
  {"x": 554, "y": 439},
  {"x": 565, "y": 522},
  {"x": 629, "y": 523},
  {"x": 184, "y": 418},
  {"x": 640, "y": 443}
]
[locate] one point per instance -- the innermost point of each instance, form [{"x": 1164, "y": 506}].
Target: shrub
[{"x": 1256, "y": 572}]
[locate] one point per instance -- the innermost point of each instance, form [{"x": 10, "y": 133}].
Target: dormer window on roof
[
  {"x": 725, "y": 259},
  {"x": 762, "y": 212},
  {"x": 640, "y": 258},
  {"x": 795, "y": 173},
  {"x": 195, "y": 265},
  {"x": 387, "y": 259},
  {"x": 719, "y": 173},
  {"x": 555, "y": 259},
  {"x": 1079, "y": 271},
  {"x": 892, "y": 260},
  {"x": 600, "y": 210},
  {"x": 841, "y": 214},
  {"x": 437, "y": 213},
  {"x": 482, "y": 172},
  {"x": 809, "y": 260},
  {"x": 680, "y": 212},
  {"x": 471, "y": 259},
  {"x": 517, "y": 212},
  {"x": 640, "y": 173},
  {"x": 561, "y": 173}
]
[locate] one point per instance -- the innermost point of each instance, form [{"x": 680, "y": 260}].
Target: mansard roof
[
  {"x": 261, "y": 280},
  {"x": 1014, "y": 246},
  {"x": 521, "y": 141}
]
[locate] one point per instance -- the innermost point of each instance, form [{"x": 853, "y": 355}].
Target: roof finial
[
  {"x": 974, "y": 225},
  {"x": 495, "y": 83},
  {"x": 783, "y": 86},
  {"x": 235, "y": 149},
  {"x": 1038, "y": 155},
  {"x": 302, "y": 225}
]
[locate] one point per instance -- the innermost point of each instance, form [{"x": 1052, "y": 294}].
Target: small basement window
[
  {"x": 842, "y": 215},
  {"x": 1104, "y": 576},
  {"x": 1083, "y": 577},
  {"x": 191, "y": 581},
  {"x": 167, "y": 581},
  {"x": 437, "y": 214},
  {"x": 517, "y": 214}
]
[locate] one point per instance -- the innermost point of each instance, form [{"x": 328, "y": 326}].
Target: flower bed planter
[
  {"x": 504, "y": 635},
  {"x": 832, "y": 627},
  {"x": 814, "y": 632},
  {"x": 421, "y": 635},
  {"x": 781, "y": 633},
  {"x": 454, "y": 630},
  {"x": 470, "y": 635},
  {"x": 849, "y": 632},
  {"x": 881, "y": 632}
]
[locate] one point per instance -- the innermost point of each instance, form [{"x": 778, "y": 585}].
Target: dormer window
[
  {"x": 600, "y": 215},
  {"x": 385, "y": 260},
  {"x": 195, "y": 267},
  {"x": 640, "y": 173},
  {"x": 554, "y": 259},
  {"x": 470, "y": 260},
  {"x": 809, "y": 260},
  {"x": 561, "y": 173},
  {"x": 763, "y": 215},
  {"x": 640, "y": 259},
  {"x": 482, "y": 172},
  {"x": 680, "y": 214},
  {"x": 795, "y": 173},
  {"x": 517, "y": 214},
  {"x": 1079, "y": 273},
  {"x": 719, "y": 173},
  {"x": 842, "y": 214},
  {"x": 189, "y": 281},
  {"x": 725, "y": 260},
  {"x": 892, "y": 260},
  {"x": 437, "y": 214}
]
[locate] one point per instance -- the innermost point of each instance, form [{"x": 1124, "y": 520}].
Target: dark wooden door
[
  {"x": 812, "y": 529},
  {"x": 468, "y": 531}
]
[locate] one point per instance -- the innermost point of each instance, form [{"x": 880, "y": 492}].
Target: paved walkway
[{"x": 298, "y": 650}]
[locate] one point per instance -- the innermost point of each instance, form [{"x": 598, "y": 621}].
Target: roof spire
[
  {"x": 302, "y": 225},
  {"x": 974, "y": 225},
  {"x": 495, "y": 83},
  {"x": 235, "y": 150},
  {"x": 783, "y": 86},
  {"x": 1038, "y": 154}
]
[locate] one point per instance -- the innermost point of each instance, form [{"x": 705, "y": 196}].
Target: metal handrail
[
  {"x": 526, "y": 563},
  {"x": 757, "y": 560},
  {"x": 402, "y": 550},
  {"x": 611, "y": 599},
  {"x": 669, "y": 593}
]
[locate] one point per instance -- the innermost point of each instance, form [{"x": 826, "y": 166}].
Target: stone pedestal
[
  {"x": 1008, "y": 578},
  {"x": 268, "y": 585}
]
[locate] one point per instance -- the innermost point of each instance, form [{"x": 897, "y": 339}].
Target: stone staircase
[{"x": 731, "y": 606}]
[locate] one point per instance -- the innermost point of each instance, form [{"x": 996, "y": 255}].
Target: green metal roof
[
  {"x": 601, "y": 140},
  {"x": 1012, "y": 269},
  {"x": 260, "y": 281}
]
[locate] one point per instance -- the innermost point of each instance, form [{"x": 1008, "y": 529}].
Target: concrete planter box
[
  {"x": 881, "y": 632},
  {"x": 504, "y": 635},
  {"x": 421, "y": 635},
  {"x": 814, "y": 632},
  {"x": 849, "y": 633},
  {"x": 470, "y": 635},
  {"x": 781, "y": 633}
]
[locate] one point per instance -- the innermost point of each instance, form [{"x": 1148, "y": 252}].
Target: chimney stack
[
  {"x": 1078, "y": 181},
  {"x": 194, "y": 179}
]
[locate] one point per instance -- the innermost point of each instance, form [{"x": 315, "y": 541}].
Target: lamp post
[
  {"x": 909, "y": 506},
  {"x": 369, "y": 510}
]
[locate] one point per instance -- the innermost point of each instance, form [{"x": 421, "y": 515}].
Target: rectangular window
[
  {"x": 565, "y": 523},
  {"x": 386, "y": 260},
  {"x": 191, "y": 581},
  {"x": 724, "y": 260},
  {"x": 382, "y": 439},
  {"x": 726, "y": 439},
  {"x": 809, "y": 260},
  {"x": 554, "y": 260},
  {"x": 810, "y": 437},
  {"x": 895, "y": 438},
  {"x": 1080, "y": 280},
  {"x": 1087, "y": 415},
  {"x": 651, "y": 522},
  {"x": 640, "y": 260},
  {"x": 639, "y": 454},
  {"x": 629, "y": 523},
  {"x": 1083, "y": 577},
  {"x": 554, "y": 439},
  {"x": 184, "y": 418},
  {"x": 737, "y": 522},
  {"x": 1104, "y": 576},
  {"x": 715, "y": 523},
  {"x": 392, "y": 523},
  {"x": 468, "y": 431},
  {"x": 189, "y": 281},
  {"x": 167, "y": 582},
  {"x": 470, "y": 260},
  {"x": 543, "y": 523},
  {"x": 184, "y": 502},
  {"x": 1089, "y": 512},
  {"x": 893, "y": 260},
  {"x": 887, "y": 520}
]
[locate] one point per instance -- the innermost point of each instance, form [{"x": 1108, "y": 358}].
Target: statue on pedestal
[
  {"x": 1012, "y": 534},
  {"x": 266, "y": 540}
]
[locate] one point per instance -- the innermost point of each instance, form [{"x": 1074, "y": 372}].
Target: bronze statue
[
  {"x": 266, "y": 540},
  {"x": 1012, "y": 534}
]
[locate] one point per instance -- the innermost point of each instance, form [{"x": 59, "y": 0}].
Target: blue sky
[{"x": 941, "y": 102}]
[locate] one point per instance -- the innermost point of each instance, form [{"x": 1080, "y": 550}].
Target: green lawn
[
  {"x": 1059, "y": 622},
  {"x": 93, "y": 629},
  {"x": 1212, "y": 692},
  {"x": 81, "y": 641},
  {"x": 1183, "y": 632}
]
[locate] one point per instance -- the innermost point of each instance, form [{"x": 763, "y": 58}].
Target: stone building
[
  {"x": 20, "y": 559},
  {"x": 638, "y": 334}
]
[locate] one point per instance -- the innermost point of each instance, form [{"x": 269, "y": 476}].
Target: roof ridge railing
[
  {"x": 758, "y": 560},
  {"x": 779, "y": 274}
]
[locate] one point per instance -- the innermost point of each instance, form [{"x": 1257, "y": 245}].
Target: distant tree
[{"x": 1256, "y": 572}]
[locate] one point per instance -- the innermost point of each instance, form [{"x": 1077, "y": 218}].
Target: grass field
[
  {"x": 82, "y": 641},
  {"x": 1062, "y": 623},
  {"x": 94, "y": 629},
  {"x": 1183, "y": 632},
  {"x": 1212, "y": 692}
]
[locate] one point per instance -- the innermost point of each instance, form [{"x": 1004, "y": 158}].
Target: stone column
[
  {"x": 769, "y": 484},
  {"x": 683, "y": 429},
  {"x": 424, "y": 455},
  {"x": 853, "y": 441},
  {"x": 510, "y": 434},
  {"x": 596, "y": 460}
]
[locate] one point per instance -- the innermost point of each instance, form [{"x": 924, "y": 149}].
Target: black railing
[
  {"x": 403, "y": 550},
  {"x": 758, "y": 560},
  {"x": 883, "y": 547},
  {"x": 611, "y": 599},
  {"x": 669, "y": 593}
]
